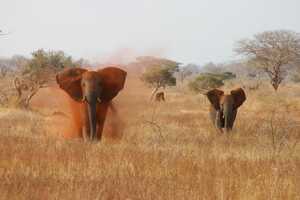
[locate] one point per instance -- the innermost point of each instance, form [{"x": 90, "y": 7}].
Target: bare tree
[
  {"x": 272, "y": 51},
  {"x": 26, "y": 88},
  {"x": 187, "y": 71}
]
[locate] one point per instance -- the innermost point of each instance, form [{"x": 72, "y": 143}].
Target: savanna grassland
[{"x": 167, "y": 151}]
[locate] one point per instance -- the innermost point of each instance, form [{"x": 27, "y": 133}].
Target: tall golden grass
[{"x": 168, "y": 151}]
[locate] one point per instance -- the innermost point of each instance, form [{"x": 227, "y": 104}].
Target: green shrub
[
  {"x": 205, "y": 82},
  {"x": 159, "y": 72},
  {"x": 208, "y": 81},
  {"x": 42, "y": 60}
]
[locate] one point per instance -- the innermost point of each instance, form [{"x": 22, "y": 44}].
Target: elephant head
[
  {"x": 93, "y": 88},
  {"x": 224, "y": 107}
]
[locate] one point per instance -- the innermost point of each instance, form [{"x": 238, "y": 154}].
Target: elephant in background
[
  {"x": 160, "y": 96},
  {"x": 94, "y": 90},
  {"x": 223, "y": 109}
]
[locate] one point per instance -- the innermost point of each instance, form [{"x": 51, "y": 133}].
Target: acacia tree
[
  {"x": 272, "y": 51},
  {"x": 159, "y": 72}
]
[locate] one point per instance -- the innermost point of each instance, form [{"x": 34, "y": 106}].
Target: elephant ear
[
  {"x": 70, "y": 81},
  {"x": 239, "y": 97},
  {"x": 214, "y": 97},
  {"x": 112, "y": 81}
]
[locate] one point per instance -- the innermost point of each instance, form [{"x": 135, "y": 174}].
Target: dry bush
[
  {"x": 8, "y": 95},
  {"x": 17, "y": 90},
  {"x": 168, "y": 151}
]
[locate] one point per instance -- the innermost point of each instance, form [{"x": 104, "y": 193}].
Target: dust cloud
[
  {"x": 63, "y": 115},
  {"x": 124, "y": 56}
]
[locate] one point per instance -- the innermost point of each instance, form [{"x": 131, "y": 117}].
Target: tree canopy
[
  {"x": 159, "y": 72},
  {"x": 271, "y": 51},
  {"x": 206, "y": 81},
  {"x": 42, "y": 59}
]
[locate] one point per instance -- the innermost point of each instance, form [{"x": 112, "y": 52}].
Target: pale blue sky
[{"x": 184, "y": 30}]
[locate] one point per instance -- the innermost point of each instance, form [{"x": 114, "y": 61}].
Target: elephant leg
[
  {"x": 215, "y": 119},
  {"x": 219, "y": 120},
  {"x": 101, "y": 116},
  {"x": 212, "y": 115}
]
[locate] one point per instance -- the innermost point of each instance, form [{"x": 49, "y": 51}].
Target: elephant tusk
[
  {"x": 83, "y": 99},
  {"x": 99, "y": 100}
]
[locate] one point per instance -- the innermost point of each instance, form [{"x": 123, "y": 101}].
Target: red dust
[{"x": 64, "y": 115}]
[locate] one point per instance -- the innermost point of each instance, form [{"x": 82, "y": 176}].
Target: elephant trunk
[
  {"x": 218, "y": 119},
  {"x": 227, "y": 112},
  {"x": 91, "y": 106}
]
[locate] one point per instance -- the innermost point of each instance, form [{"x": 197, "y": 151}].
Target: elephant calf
[
  {"x": 224, "y": 108},
  {"x": 160, "y": 96}
]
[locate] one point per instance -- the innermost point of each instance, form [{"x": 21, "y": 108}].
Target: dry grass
[{"x": 168, "y": 151}]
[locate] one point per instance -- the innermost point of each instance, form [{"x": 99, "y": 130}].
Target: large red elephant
[{"x": 94, "y": 91}]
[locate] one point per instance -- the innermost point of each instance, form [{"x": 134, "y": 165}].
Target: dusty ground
[{"x": 168, "y": 150}]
